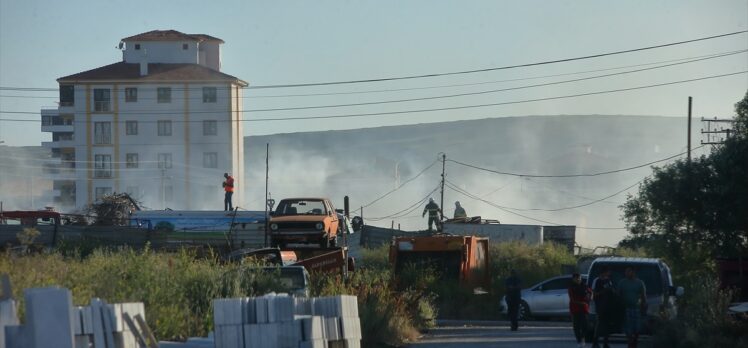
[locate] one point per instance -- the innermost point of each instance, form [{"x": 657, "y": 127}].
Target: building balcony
[
  {"x": 62, "y": 176},
  {"x": 57, "y": 128},
  {"x": 58, "y": 144}
]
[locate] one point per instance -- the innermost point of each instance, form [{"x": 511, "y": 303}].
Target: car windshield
[
  {"x": 647, "y": 272},
  {"x": 301, "y": 207},
  {"x": 290, "y": 278}
]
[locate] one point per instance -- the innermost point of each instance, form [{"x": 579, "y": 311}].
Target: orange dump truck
[{"x": 461, "y": 258}]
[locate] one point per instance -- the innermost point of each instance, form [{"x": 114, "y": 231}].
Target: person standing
[
  {"x": 513, "y": 298},
  {"x": 634, "y": 295},
  {"x": 228, "y": 187},
  {"x": 579, "y": 306},
  {"x": 603, "y": 293},
  {"x": 433, "y": 209},
  {"x": 459, "y": 211}
]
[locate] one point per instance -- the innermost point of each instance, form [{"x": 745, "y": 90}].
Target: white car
[{"x": 549, "y": 298}]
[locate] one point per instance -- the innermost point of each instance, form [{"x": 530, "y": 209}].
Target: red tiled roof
[
  {"x": 170, "y": 35},
  {"x": 156, "y": 72}
]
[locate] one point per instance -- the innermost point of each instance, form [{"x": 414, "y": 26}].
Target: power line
[
  {"x": 407, "y": 210},
  {"x": 563, "y": 60},
  {"x": 566, "y": 208},
  {"x": 471, "y": 196},
  {"x": 569, "y": 175},
  {"x": 482, "y": 82},
  {"x": 715, "y": 55},
  {"x": 486, "y": 91},
  {"x": 403, "y": 111},
  {"x": 401, "y": 185},
  {"x": 566, "y": 192}
]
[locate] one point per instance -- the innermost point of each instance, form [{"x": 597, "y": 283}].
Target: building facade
[{"x": 163, "y": 124}]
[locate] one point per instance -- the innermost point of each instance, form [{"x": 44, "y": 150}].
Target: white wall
[
  {"x": 161, "y": 52},
  {"x": 194, "y": 187},
  {"x": 212, "y": 54}
]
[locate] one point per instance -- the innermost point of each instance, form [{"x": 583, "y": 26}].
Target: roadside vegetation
[{"x": 689, "y": 213}]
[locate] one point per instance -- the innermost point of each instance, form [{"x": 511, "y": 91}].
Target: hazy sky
[{"x": 279, "y": 42}]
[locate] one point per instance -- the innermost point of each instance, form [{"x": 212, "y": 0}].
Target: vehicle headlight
[
  {"x": 274, "y": 227},
  {"x": 320, "y": 226}
]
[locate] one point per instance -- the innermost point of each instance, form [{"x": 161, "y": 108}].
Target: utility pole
[
  {"x": 441, "y": 204},
  {"x": 163, "y": 189},
  {"x": 688, "y": 173},
  {"x": 267, "y": 172},
  {"x": 717, "y": 130},
  {"x": 690, "y": 99}
]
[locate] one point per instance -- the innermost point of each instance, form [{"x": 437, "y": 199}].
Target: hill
[{"x": 366, "y": 163}]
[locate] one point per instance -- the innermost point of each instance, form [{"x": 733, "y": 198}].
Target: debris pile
[{"x": 113, "y": 209}]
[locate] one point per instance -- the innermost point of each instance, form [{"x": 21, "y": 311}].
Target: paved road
[{"x": 540, "y": 335}]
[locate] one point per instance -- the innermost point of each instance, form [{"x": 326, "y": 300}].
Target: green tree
[{"x": 697, "y": 208}]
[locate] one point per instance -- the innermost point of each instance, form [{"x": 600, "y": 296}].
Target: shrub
[
  {"x": 376, "y": 258},
  {"x": 703, "y": 320},
  {"x": 387, "y": 317}
]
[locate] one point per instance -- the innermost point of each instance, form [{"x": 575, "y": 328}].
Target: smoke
[
  {"x": 23, "y": 185},
  {"x": 365, "y": 164}
]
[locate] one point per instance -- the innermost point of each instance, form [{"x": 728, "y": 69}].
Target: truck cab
[{"x": 304, "y": 221}]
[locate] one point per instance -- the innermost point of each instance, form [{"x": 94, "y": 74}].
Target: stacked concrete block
[
  {"x": 332, "y": 329},
  {"x": 103, "y": 325},
  {"x": 228, "y": 320},
  {"x": 8, "y": 317},
  {"x": 282, "y": 321},
  {"x": 49, "y": 320}
]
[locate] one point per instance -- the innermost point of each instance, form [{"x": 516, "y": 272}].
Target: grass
[{"x": 178, "y": 288}]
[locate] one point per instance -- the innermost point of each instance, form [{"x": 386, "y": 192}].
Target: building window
[
  {"x": 67, "y": 95},
  {"x": 164, "y": 94},
  {"x": 131, "y": 127},
  {"x": 137, "y": 46},
  {"x": 164, "y": 128},
  {"x": 210, "y": 127},
  {"x": 102, "y": 99},
  {"x": 164, "y": 160},
  {"x": 103, "y": 166},
  {"x": 131, "y": 95},
  {"x": 132, "y": 160},
  {"x": 185, "y": 46},
  {"x": 102, "y": 133},
  {"x": 209, "y": 94},
  {"x": 210, "y": 159},
  {"x": 100, "y": 192}
]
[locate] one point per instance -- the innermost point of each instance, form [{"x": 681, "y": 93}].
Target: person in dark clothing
[
  {"x": 579, "y": 306},
  {"x": 633, "y": 292},
  {"x": 513, "y": 298},
  {"x": 433, "y": 209},
  {"x": 228, "y": 187},
  {"x": 604, "y": 294}
]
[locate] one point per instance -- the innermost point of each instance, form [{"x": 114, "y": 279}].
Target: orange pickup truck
[{"x": 304, "y": 221}]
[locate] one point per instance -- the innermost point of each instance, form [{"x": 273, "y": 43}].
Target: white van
[{"x": 661, "y": 293}]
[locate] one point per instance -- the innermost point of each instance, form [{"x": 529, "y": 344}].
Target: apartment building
[{"x": 163, "y": 124}]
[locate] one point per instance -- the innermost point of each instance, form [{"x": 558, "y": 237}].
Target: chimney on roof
[{"x": 144, "y": 63}]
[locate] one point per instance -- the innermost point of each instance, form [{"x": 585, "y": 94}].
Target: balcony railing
[{"x": 102, "y": 106}]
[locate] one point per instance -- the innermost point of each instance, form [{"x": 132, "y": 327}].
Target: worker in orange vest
[{"x": 228, "y": 186}]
